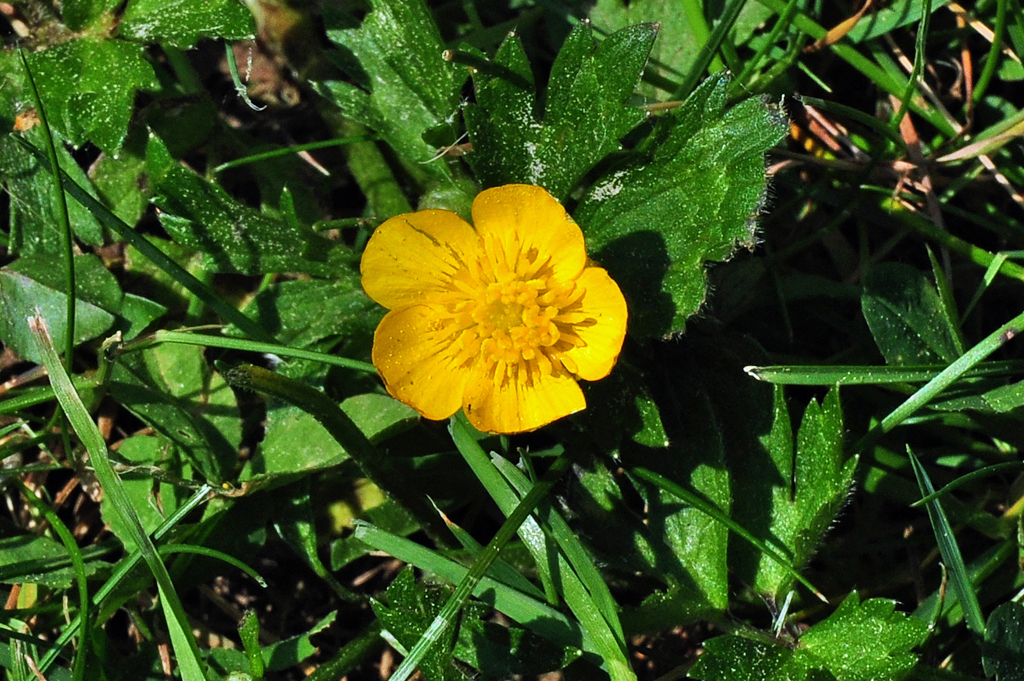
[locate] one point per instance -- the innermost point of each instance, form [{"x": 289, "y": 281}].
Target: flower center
[{"x": 518, "y": 324}]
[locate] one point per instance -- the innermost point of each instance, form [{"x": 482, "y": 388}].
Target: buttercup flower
[{"x": 500, "y": 317}]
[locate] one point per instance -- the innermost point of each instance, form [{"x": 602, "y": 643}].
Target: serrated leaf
[
  {"x": 181, "y": 23},
  {"x": 88, "y": 87},
  {"x": 584, "y": 117},
  {"x": 172, "y": 389},
  {"x": 403, "y": 89},
  {"x": 735, "y": 658},
  {"x": 802, "y": 489},
  {"x": 408, "y": 611},
  {"x": 234, "y": 237},
  {"x": 1003, "y": 651},
  {"x": 905, "y": 315},
  {"x": 33, "y": 283},
  {"x": 622, "y": 405},
  {"x": 690, "y": 195},
  {"x": 866, "y": 641}
]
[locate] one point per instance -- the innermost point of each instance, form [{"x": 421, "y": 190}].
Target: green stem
[{"x": 992, "y": 59}]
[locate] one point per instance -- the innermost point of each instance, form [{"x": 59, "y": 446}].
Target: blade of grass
[
  {"x": 994, "y": 50},
  {"x": 950, "y": 551},
  {"x": 124, "y": 566},
  {"x": 783, "y": 23},
  {"x": 449, "y": 613},
  {"x": 77, "y": 561},
  {"x": 67, "y": 240},
  {"x": 872, "y": 375},
  {"x": 893, "y": 84},
  {"x": 506, "y": 499},
  {"x": 946, "y": 378},
  {"x": 712, "y": 511},
  {"x": 945, "y": 289},
  {"x": 531, "y": 612},
  {"x": 973, "y": 475},
  {"x": 154, "y": 254},
  {"x": 710, "y": 43},
  {"x": 168, "y": 549},
  {"x": 351, "y": 655},
  {"x": 915, "y": 72},
  {"x": 583, "y": 588},
  {"x": 230, "y": 343},
  {"x": 298, "y": 148},
  {"x": 555, "y": 526},
  {"x": 240, "y": 88},
  {"x": 500, "y": 570},
  {"x": 184, "y": 644}
]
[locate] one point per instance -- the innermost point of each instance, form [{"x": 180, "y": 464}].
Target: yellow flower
[{"x": 500, "y": 318}]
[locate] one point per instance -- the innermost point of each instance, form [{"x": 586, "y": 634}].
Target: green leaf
[
  {"x": 735, "y": 658},
  {"x": 296, "y": 649},
  {"x": 584, "y": 117},
  {"x": 235, "y": 238},
  {"x": 33, "y": 283},
  {"x": 30, "y": 554},
  {"x": 505, "y": 652},
  {"x": 120, "y": 179},
  {"x": 905, "y": 315},
  {"x": 139, "y": 313},
  {"x": 295, "y": 442},
  {"x": 674, "y": 53},
  {"x": 34, "y": 218},
  {"x": 152, "y": 499},
  {"x": 172, "y": 389},
  {"x": 792, "y": 494},
  {"x": 622, "y": 405},
  {"x": 1003, "y": 651},
  {"x": 88, "y": 87},
  {"x": 864, "y": 641},
  {"x": 181, "y": 23},
  {"x": 403, "y": 89},
  {"x": 689, "y": 195},
  {"x": 301, "y": 312},
  {"x": 407, "y": 612},
  {"x": 77, "y": 14}
]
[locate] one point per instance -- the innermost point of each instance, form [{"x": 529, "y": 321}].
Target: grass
[{"x": 808, "y": 454}]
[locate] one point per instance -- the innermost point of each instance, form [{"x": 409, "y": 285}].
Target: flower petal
[
  {"x": 414, "y": 257},
  {"x": 603, "y": 303},
  {"x": 520, "y": 403},
  {"x": 414, "y": 351},
  {"x": 526, "y": 220}
]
